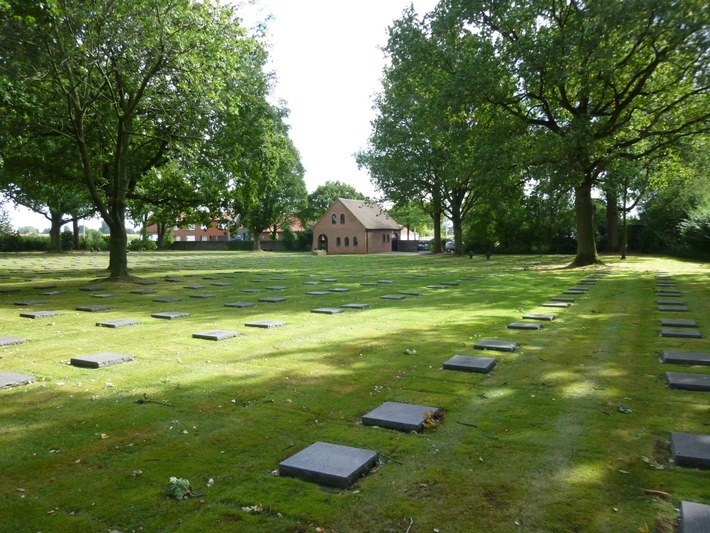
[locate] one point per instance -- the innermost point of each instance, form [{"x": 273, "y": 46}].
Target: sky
[{"x": 328, "y": 61}]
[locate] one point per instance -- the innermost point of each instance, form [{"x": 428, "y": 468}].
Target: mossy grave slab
[
  {"x": 355, "y": 306},
  {"x": 470, "y": 363},
  {"x": 29, "y": 303},
  {"x": 101, "y": 359},
  {"x": 400, "y": 416}
]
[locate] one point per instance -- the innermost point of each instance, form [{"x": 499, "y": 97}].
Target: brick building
[{"x": 356, "y": 227}]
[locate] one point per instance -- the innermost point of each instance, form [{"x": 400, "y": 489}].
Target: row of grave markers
[{"x": 687, "y": 449}]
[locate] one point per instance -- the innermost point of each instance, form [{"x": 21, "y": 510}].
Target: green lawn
[{"x": 539, "y": 444}]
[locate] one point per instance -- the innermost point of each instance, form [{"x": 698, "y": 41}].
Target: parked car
[
  {"x": 450, "y": 246},
  {"x": 422, "y": 246}
]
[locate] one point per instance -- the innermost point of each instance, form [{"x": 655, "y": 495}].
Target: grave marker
[
  {"x": 167, "y": 300},
  {"x": 94, "y": 308},
  {"x": 393, "y": 297},
  {"x": 690, "y": 449},
  {"x": 339, "y": 289},
  {"x": 265, "y": 324},
  {"x": 215, "y": 334},
  {"x": 39, "y": 314},
  {"x": 355, "y": 306},
  {"x": 9, "y": 341},
  {"x": 681, "y": 333},
  {"x": 13, "y": 379},
  {"x": 328, "y": 310},
  {"x": 98, "y": 360},
  {"x": 170, "y": 315},
  {"x": 470, "y": 363},
  {"x": 673, "y": 308},
  {"x": 525, "y": 325},
  {"x": 239, "y": 304},
  {"x": 563, "y": 299},
  {"x": 678, "y": 323},
  {"x": 492, "y": 344},
  {"x": 118, "y": 323},
  {"x": 272, "y": 299},
  {"x": 688, "y": 381},
  {"x": 400, "y": 416},
  {"x": 536, "y": 316},
  {"x": 411, "y": 293},
  {"x": 685, "y": 358},
  {"x": 202, "y": 296},
  {"x": 556, "y": 304},
  {"x": 28, "y": 303},
  {"x": 694, "y": 517}
]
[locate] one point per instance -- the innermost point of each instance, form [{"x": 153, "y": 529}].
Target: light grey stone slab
[
  {"x": 400, "y": 416},
  {"x": 277, "y": 288},
  {"x": 167, "y": 300},
  {"x": 29, "y": 303},
  {"x": 493, "y": 344},
  {"x": 215, "y": 334},
  {"x": 563, "y": 299},
  {"x": 556, "y": 304},
  {"x": 385, "y": 281},
  {"x": 436, "y": 287},
  {"x": 681, "y": 333},
  {"x": 678, "y": 323},
  {"x": 470, "y": 363},
  {"x": 525, "y": 325},
  {"x": 328, "y": 310},
  {"x": 118, "y": 323},
  {"x": 694, "y": 517},
  {"x": 688, "y": 381},
  {"x": 102, "y": 295},
  {"x": 39, "y": 314},
  {"x": 272, "y": 299},
  {"x": 9, "y": 341},
  {"x": 670, "y": 302},
  {"x": 94, "y": 308},
  {"x": 537, "y": 316},
  {"x": 355, "y": 306},
  {"x": 685, "y": 358},
  {"x": 202, "y": 296},
  {"x": 369, "y": 284},
  {"x": 239, "y": 304},
  {"x": 265, "y": 324},
  {"x": 317, "y": 293},
  {"x": 673, "y": 308},
  {"x": 51, "y": 293},
  {"x": 573, "y": 291},
  {"x": 690, "y": 449},
  {"x": 329, "y": 464},
  {"x": 339, "y": 289},
  {"x": 582, "y": 289},
  {"x": 195, "y": 287},
  {"x": 329, "y": 280},
  {"x": 311, "y": 282},
  {"x": 170, "y": 315},
  {"x": 411, "y": 293},
  {"x": 393, "y": 297},
  {"x": 252, "y": 290},
  {"x": 101, "y": 359},
  {"x": 14, "y": 379}
]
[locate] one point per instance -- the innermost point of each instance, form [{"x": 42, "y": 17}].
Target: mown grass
[{"x": 537, "y": 445}]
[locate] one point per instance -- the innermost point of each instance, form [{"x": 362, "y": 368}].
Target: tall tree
[
  {"x": 320, "y": 200},
  {"x": 604, "y": 79}
]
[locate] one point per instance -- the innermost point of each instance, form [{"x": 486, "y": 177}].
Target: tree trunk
[
  {"x": 55, "y": 239},
  {"x": 437, "y": 231},
  {"x": 118, "y": 253},
  {"x": 160, "y": 241},
  {"x": 612, "y": 221},
  {"x": 625, "y": 238},
  {"x": 458, "y": 229},
  {"x": 256, "y": 238},
  {"x": 584, "y": 215},
  {"x": 75, "y": 231}
]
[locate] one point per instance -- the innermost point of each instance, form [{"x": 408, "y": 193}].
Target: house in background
[
  {"x": 356, "y": 227},
  {"x": 215, "y": 231}
]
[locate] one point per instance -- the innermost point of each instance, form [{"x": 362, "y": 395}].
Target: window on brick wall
[
  {"x": 337, "y": 241},
  {"x": 347, "y": 241},
  {"x": 342, "y": 218},
  {"x": 334, "y": 219},
  {"x": 354, "y": 241}
]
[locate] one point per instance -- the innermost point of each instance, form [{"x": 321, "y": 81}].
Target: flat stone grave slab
[
  {"x": 385, "y": 281},
  {"x": 688, "y": 381},
  {"x": 673, "y": 308},
  {"x": 572, "y": 291},
  {"x": 681, "y": 333},
  {"x": 665, "y": 284},
  {"x": 537, "y": 316},
  {"x": 9, "y": 291},
  {"x": 317, "y": 293},
  {"x": 102, "y": 295},
  {"x": 44, "y": 287},
  {"x": 118, "y": 323},
  {"x": 328, "y": 310},
  {"x": 580, "y": 289},
  {"x": 98, "y": 360},
  {"x": 170, "y": 315},
  {"x": 146, "y": 282},
  {"x": 369, "y": 284},
  {"x": 329, "y": 280},
  {"x": 221, "y": 284},
  {"x": 94, "y": 308},
  {"x": 563, "y": 299},
  {"x": 400, "y": 416},
  {"x": 252, "y": 290},
  {"x": 339, "y": 289},
  {"x": 587, "y": 282},
  {"x": 202, "y": 296},
  {"x": 39, "y": 314},
  {"x": 167, "y": 300},
  {"x": 670, "y": 302},
  {"x": 13, "y": 379},
  {"x": 143, "y": 291},
  {"x": 685, "y": 358},
  {"x": 556, "y": 304},
  {"x": 525, "y": 325},
  {"x": 470, "y": 363},
  {"x": 450, "y": 283},
  {"x": 694, "y": 517},
  {"x": 215, "y": 334},
  {"x": 329, "y": 464},
  {"x": 239, "y": 304},
  {"x": 436, "y": 287},
  {"x": 173, "y": 280},
  {"x": 92, "y": 288},
  {"x": 492, "y": 344},
  {"x": 690, "y": 449},
  {"x": 355, "y": 306},
  {"x": 272, "y": 299},
  {"x": 28, "y": 303},
  {"x": 277, "y": 288},
  {"x": 194, "y": 287},
  {"x": 678, "y": 323},
  {"x": 393, "y": 297},
  {"x": 9, "y": 341},
  {"x": 311, "y": 282},
  {"x": 411, "y": 293},
  {"x": 668, "y": 293},
  {"x": 51, "y": 293},
  {"x": 265, "y": 324}
]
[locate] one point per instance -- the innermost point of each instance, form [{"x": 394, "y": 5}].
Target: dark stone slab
[
  {"x": 94, "y": 308},
  {"x": 9, "y": 341},
  {"x": 92, "y": 288},
  {"x": 665, "y": 284},
  {"x": 681, "y": 333},
  {"x": 536, "y": 316},
  {"x": 39, "y": 314},
  {"x": 13, "y": 379},
  {"x": 118, "y": 323},
  {"x": 9, "y": 291},
  {"x": 143, "y": 291},
  {"x": 673, "y": 308},
  {"x": 339, "y": 289},
  {"x": 685, "y": 358},
  {"x": 194, "y": 287},
  {"x": 525, "y": 325},
  {"x": 51, "y": 293},
  {"x": 678, "y": 323},
  {"x": 272, "y": 299},
  {"x": 393, "y": 297},
  {"x": 98, "y": 360},
  {"x": 329, "y": 280},
  {"x": 146, "y": 282},
  {"x": 202, "y": 296},
  {"x": 582, "y": 289},
  {"x": 400, "y": 416},
  {"x": 252, "y": 290},
  {"x": 572, "y": 291},
  {"x": 221, "y": 284},
  {"x": 470, "y": 363},
  {"x": 668, "y": 293},
  {"x": 28, "y": 303},
  {"x": 311, "y": 282},
  {"x": 588, "y": 282},
  {"x": 103, "y": 295},
  {"x": 167, "y": 300},
  {"x": 556, "y": 304},
  {"x": 450, "y": 283},
  {"x": 215, "y": 334},
  {"x": 317, "y": 293},
  {"x": 694, "y": 517},
  {"x": 355, "y": 306},
  {"x": 690, "y": 449},
  {"x": 436, "y": 287},
  {"x": 265, "y": 324},
  {"x": 277, "y": 288},
  {"x": 44, "y": 287},
  {"x": 170, "y": 315},
  {"x": 411, "y": 293},
  {"x": 329, "y": 464},
  {"x": 385, "y": 281},
  {"x": 563, "y": 299},
  {"x": 688, "y": 381},
  {"x": 328, "y": 310},
  {"x": 239, "y": 304},
  {"x": 670, "y": 302},
  {"x": 501, "y": 346},
  {"x": 369, "y": 284}
]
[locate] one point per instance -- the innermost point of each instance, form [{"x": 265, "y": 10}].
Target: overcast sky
[{"x": 328, "y": 61}]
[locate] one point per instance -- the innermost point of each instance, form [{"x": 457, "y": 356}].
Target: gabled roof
[{"x": 369, "y": 214}]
